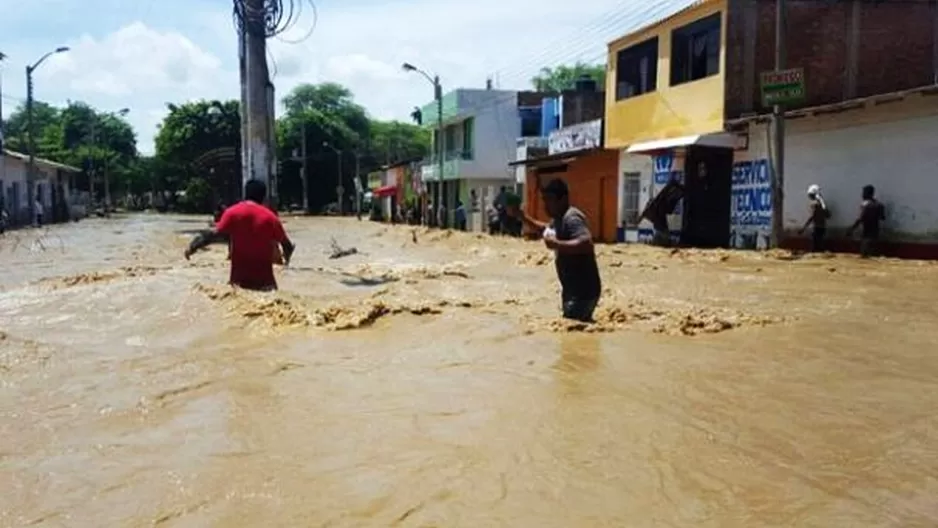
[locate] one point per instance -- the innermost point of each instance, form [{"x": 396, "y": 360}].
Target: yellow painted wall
[{"x": 687, "y": 109}]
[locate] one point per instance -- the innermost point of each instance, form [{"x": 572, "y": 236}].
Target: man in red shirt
[{"x": 253, "y": 231}]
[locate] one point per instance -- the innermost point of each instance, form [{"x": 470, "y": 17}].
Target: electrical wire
[{"x": 274, "y": 19}]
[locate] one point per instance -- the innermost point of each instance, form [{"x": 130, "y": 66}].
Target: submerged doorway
[{"x": 707, "y": 199}]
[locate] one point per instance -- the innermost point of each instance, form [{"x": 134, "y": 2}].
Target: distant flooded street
[{"x": 427, "y": 381}]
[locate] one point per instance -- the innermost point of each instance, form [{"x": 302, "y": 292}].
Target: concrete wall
[
  {"x": 848, "y": 49},
  {"x": 889, "y": 146},
  {"x": 497, "y": 128}
]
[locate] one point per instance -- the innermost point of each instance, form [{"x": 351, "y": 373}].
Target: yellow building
[{"x": 665, "y": 113}]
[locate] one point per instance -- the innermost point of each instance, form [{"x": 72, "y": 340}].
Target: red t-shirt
[{"x": 254, "y": 231}]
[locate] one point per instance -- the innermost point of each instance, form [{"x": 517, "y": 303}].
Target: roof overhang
[
  {"x": 718, "y": 140},
  {"x": 40, "y": 161},
  {"x": 839, "y": 107},
  {"x": 560, "y": 157}
]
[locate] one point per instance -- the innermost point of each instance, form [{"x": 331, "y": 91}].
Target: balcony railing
[
  {"x": 533, "y": 142},
  {"x": 451, "y": 155}
]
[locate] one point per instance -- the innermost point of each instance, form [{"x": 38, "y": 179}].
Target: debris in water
[{"x": 340, "y": 252}]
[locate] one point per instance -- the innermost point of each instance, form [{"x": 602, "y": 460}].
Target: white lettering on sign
[
  {"x": 792, "y": 76},
  {"x": 581, "y": 136}
]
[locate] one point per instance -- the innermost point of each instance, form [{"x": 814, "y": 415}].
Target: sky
[{"x": 143, "y": 54}]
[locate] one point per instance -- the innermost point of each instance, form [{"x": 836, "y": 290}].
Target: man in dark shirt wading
[
  {"x": 872, "y": 214},
  {"x": 569, "y": 237}
]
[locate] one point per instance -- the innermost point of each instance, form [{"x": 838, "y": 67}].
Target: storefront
[{"x": 575, "y": 155}]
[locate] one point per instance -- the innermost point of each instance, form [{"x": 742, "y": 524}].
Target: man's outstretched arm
[{"x": 204, "y": 239}]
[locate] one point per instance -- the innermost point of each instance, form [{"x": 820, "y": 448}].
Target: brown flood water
[{"x": 427, "y": 382}]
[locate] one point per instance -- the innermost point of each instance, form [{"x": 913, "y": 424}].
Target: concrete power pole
[
  {"x": 778, "y": 181},
  {"x": 242, "y": 66},
  {"x": 305, "y": 172},
  {"x": 255, "y": 84}
]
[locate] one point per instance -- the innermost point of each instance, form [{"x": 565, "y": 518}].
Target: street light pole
[
  {"x": 31, "y": 133},
  {"x": 305, "y": 173},
  {"x": 778, "y": 182},
  {"x": 439, "y": 148},
  {"x": 338, "y": 189}
]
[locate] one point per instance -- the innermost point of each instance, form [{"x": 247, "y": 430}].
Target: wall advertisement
[{"x": 751, "y": 207}]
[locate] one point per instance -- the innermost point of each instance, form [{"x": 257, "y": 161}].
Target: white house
[
  {"x": 480, "y": 132},
  {"x": 886, "y": 141},
  {"x": 54, "y": 184}
]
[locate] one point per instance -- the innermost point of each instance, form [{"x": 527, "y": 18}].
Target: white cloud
[
  {"x": 358, "y": 43},
  {"x": 139, "y": 68}
]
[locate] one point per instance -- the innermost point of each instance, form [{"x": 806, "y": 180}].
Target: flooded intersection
[{"x": 426, "y": 381}]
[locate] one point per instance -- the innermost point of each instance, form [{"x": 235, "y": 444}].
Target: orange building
[{"x": 591, "y": 173}]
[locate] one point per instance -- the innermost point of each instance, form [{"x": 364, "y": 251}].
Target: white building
[
  {"x": 886, "y": 141},
  {"x": 53, "y": 187},
  {"x": 480, "y": 132}
]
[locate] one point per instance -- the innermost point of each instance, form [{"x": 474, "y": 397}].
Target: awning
[
  {"x": 720, "y": 140},
  {"x": 387, "y": 190},
  {"x": 560, "y": 157}
]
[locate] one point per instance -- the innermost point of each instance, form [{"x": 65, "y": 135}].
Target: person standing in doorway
[
  {"x": 818, "y": 216},
  {"x": 460, "y": 213},
  {"x": 441, "y": 217},
  {"x": 872, "y": 214},
  {"x": 568, "y": 235},
  {"x": 254, "y": 231},
  {"x": 37, "y": 205}
]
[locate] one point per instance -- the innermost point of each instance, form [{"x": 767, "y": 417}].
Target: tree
[
  {"x": 333, "y": 120},
  {"x": 77, "y": 135},
  {"x": 564, "y": 77},
  {"x": 198, "y": 151}
]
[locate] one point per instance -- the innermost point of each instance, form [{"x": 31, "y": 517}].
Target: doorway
[{"x": 707, "y": 199}]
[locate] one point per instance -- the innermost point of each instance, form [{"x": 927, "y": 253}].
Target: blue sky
[{"x": 141, "y": 54}]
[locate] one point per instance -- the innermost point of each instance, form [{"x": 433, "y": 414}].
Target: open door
[{"x": 707, "y": 204}]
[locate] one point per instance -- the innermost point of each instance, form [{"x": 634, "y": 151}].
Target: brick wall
[
  {"x": 848, "y": 48},
  {"x": 580, "y": 107}
]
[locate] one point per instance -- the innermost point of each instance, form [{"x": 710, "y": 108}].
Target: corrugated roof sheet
[{"x": 42, "y": 161}]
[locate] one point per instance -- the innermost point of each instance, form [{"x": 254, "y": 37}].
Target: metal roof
[{"x": 40, "y": 161}]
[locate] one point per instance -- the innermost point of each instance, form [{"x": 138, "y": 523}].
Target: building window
[
  {"x": 695, "y": 50},
  {"x": 632, "y": 187},
  {"x": 530, "y": 121},
  {"x": 468, "y": 127},
  {"x": 449, "y": 140},
  {"x": 637, "y": 69}
]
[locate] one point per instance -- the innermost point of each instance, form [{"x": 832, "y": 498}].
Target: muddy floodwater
[{"x": 427, "y": 381}]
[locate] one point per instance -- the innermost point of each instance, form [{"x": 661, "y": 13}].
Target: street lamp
[
  {"x": 438, "y": 95},
  {"x": 31, "y": 172},
  {"x": 339, "y": 191}
]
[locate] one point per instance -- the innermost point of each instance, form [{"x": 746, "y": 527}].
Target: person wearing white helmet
[{"x": 819, "y": 213}]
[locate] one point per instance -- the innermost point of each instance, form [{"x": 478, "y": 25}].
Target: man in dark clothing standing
[
  {"x": 872, "y": 214},
  {"x": 568, "y": 235}
]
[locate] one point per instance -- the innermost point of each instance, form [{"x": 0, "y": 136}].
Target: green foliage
[
  {"x": 97, "y": 142},
  {"x": 333, "y": 121},
  {"x": 564, "y": 77},
  {"x": 197, "y": 147}
]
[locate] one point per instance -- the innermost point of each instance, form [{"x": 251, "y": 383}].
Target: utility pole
[
  {"x": 31, "y": 168},
  {"x": 778, "y": 180},
  {"x": 305, "y": 172},
  {"x": 358, "y": 186},
  {"x": 242, "y": 68},
  {"x": 438, "y": 94},
  {"x": 339, "y": 188},
  {"x": 255, "y": 82}
]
